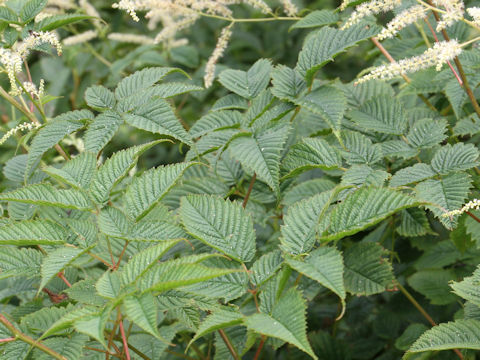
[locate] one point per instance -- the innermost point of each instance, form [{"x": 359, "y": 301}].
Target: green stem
[
  {"x": 218, "y": 17},
  {"x": 25, "y": 338}
]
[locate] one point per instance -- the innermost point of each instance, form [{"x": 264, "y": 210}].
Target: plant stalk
[
  {"x": 229, "y": 344},
  {"x": 250, "y": 187}
]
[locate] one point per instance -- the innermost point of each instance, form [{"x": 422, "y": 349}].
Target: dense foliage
[{"x": 239, "y": 179}]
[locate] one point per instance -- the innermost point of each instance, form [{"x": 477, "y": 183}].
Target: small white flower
[
  {"x": 131, "y": 38},
  {"x": 21, "y": 127},
  {"x": 370, "y": 8},
  {"x": 454, "y": 12},
  {"x": 437, "y": 56},
  {"x": 222, "y": 44},
  {"x": 289, "y": 7},
  {"x": 80, "y": 38},
  {"x": 474, "y": 12},
  {"x": 402, "y": 20},
  {"x": 472, "y": 205}
]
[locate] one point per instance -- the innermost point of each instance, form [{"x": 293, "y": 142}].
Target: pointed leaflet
[
  {"x": 109, "y": 285},
  {"x": 141, "y": 80},
  {"x": 177, "y": 273},
  {"x": 149, "y": 188},
  {"x": 219, "y": 319},
  {"x": 360, "y": 149},
  {"x": 287, "y": 321},
  {"x": 459, "y": 334},
  {"x": 323, "y": 45},
  {"x": 309, "y": 154},
  {"x": 57, "y": 261},
  {"x": 383, "y": 114},
  {"x": 114, "y": 169},
  {"x": 261, "y": 153},
  {"x": 287, "y": 83},
  {"x": 100, "y": 98},
  {"x": 142, "y": 310},
  {"x": 113, "y": 222},
  {"x": 31, "y": 9},
  {"x": 54, "y": 131},
  {"x": 324, "y": 265},
  {"x": 55, "y": 21},
  {"x": 46, "y": 194},
  {"x": 328, "y": 102},
  {"x": 426, "y": 133},
  {"x": 68, "y": 347},
  {"x": 21, "y": 262},
  {"x": 307, "y": 189},
  {"x": 157, "y": 116},
  {"x": 411, "y": 174},
  {"x": 77, "y": 172},
  {"x": 32, "y": 232},
  {"x": 265, "y": 267},
  {"x": 94, "y": 325},
  {"x": 216, "y": 120},
  {"x": 300, "y": 223},
  {"x": 247, "y": 84},
  {"x": 365, "y": 207},
  {"x": 446, "y": 194},
  {"x": 455, "y": 158},
  {"x": 468, "y": 288},
  {"x": 101, "y": 130},
  {"x": 316, "y": 18},
  {"x": 141, "y": 262},
  {"x": 366, "y": 271},
  {"x": 221, "y": 224}
]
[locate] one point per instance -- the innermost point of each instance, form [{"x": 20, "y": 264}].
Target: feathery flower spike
[
  {"x": 370, "y": 8},
  {"x": 402, "y": 20},
  {"x": 471, "y": 205}
]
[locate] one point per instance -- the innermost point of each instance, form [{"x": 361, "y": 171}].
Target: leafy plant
[{"x": 284, "y": 212}]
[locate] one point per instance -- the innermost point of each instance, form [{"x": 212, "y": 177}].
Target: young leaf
[
  {"x": 324, "y": 265},
  {"x": 265, "y": 267},
  {"x": 261, "y": 153},
  {"x": 46, "y": 194},
  {"x": 142, "y": 310},
  {"x": 217, "y": 320},
  {"x": 101, "y": 130},
  {"x": 247, "y": 84},
  {"x": 323, "y": 45},
  {"x": 77, "y": 172},
  {"x": 223, "y": 225},
  {"x": 383, "y": 114},
  {"x": 366, "y": 271},
  {"x": 32, "y": 232},
  {"x": 148, "y": 189},
  {"x": 56, "y": 261},
  {"x": 459, "y": 334},
  {"x": 287, "y": 83},
  {"x": 114, "y": 169},
  {"x": 157, "y": 116},
  {"x": 94, "y": 325},
  {"x": 100, "y": 98},
  {"x": 287, "y": 321},
  {"x": 365, "y": 207},
  {"x": 301, "y": 221}
]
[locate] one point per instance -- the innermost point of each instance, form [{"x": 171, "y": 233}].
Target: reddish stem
[
  {"x": 7, "y": 340},
  {"x": 260, "y": 347},
  {"x": 64, "y": 279},
  {"x": 124, "y": 340}
]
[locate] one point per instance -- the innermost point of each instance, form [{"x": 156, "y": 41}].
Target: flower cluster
[
  {"x": 35, "y": 39},
  {"x": 21, "y": 127},
  {"x": 370, "y": 8},
  {"x": 454, "y": 12},
  {"x": 472, "y": 205},
  {"x": 32, "y": 89},
  {"x": 439, "y": 54},
  {"x": 12, "y": 63},
  {"x": 474, "y": 12},
  {"x": 80, "y": 38},
  {"x": 402, "y": 20},
  {"x": 216, "y": 55}
]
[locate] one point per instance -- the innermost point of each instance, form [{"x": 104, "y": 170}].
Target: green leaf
[
  {"x": 455, "y": 158},
  {"x": 413, "y": 222},
  {"x": 31, "y": 9},
  {"x": 32, "y": 232},
  {"x": 99, "y": 98},
  {"x": 364, "y": 208},
  {"x": 261, "y": 153},
  {"x": 247, "y": 84},
  {"x": 433, "y": 284},
  {"x": 383, "y": 114},
  {"x": 324, "y": 265},
  {"x": 328, "y": 102},
  {"x": 307, "y": 189},
  {"x": 411, "y": 333},
  {"x": 217, "y": 120},
  {"x": 8, "y": 15},
  {"x": 468, "y": 288},
  {"x": 46, "y": 194},
  {"x": 230, "y": 101},
  {"x": 19, "y": 262},
  {"x": 109, "y": 285},
  {"x": 446, "y": 194},
  {"x": 66, "y": 321},
  {"x": 173, "y": 274},
  {"x": 315, "y": 19},
  {"x": 359, "y": 149},
  {"x": 141, "y": 80},
  {"x": 412, "y": 174},
  {"x": 367, "y": 272},
  {"x": 148, "y": 189},
  {"x": 55, "y": 21},
  {"x": 309, "y": 154},
  {"x": 70, "y": 348},
  {"x": 157, "y": 116},
  {"x": 77, "y": 172},
  {"x": 56, "y": 261},
  {"x": 287, "y": 322},
  {"x": 115, "y": 169},
  {"x": 323, "y": 45},
  {"x": 142, "y": 310},
  {"x": 84, "y": 292},
  {"x": 101, "y": 130},
  {"x": 94, "y": 325},
  {"x": 113, "y": 222},
  {"x": 426, "y": 133},
  {"x": 142, "y": 261},
  {"x": 460, "y": 334},
  {"x": 223, "y": 225},
  {"x": 357, "y": 94},
  {"x": 287, "y": 83},
  {"x": 360, "y": 175},
  {"x": 54, "y": 131},
  {"x": 300, "y": 223},
  {"x": 217, "y": 320},
  {"x": 398, "y": 148},
  {"x": 265, "y": 267}
]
